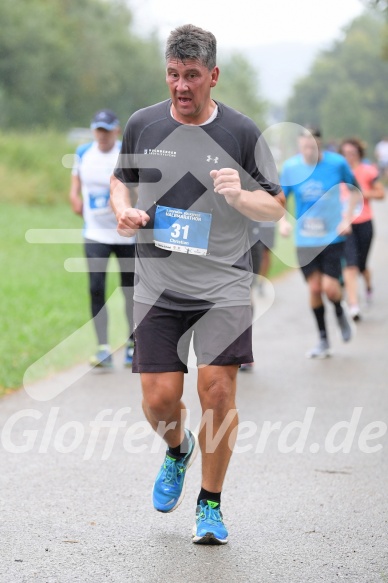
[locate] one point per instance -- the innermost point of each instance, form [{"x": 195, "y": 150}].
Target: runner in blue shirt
[{"x": 314, "y": 177}]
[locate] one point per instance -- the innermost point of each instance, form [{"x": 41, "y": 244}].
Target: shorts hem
[
  {"x": 139, "y": 368},
  {"x": 225, "y": 361}
]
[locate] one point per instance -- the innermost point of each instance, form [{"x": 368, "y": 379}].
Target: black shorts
[
  {"x": 221, "y": 337},
  {"x": 327, "y": 260},
  {"x": 357, "y": 245}
]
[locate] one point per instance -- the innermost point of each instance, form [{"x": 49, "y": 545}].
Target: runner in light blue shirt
[{"x": 314, "y": 177}]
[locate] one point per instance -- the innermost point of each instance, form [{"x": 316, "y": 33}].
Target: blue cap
[{"x": 106, "y": 119}]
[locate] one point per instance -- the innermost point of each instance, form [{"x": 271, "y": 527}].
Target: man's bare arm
[
  {"x": 258, "y": 205},
  {"x": 129, "y": 219}
]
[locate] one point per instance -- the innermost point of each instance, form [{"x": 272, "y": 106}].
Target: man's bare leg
[
  {"x": 162, "y": 404},
  {"x": 217, "y": 391}
]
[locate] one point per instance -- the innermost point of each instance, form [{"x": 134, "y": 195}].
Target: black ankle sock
[
  {"x": 206, "y": 495},
  {"x": 181, "y": 450},
  {"x": 319, "y": 314},
  {"x": 338, "y": 308}
]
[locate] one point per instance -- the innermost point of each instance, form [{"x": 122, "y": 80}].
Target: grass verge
[{"x": 42, "y": 303}]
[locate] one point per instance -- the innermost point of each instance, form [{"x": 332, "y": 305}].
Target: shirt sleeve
[
  {"x": 79, "y": 153},
  {"x": 124, "y": 169},
  {"x": 76, "y": 162},
  {"x": 347, "y": 174},
  {"x": 259, "y": 163}
]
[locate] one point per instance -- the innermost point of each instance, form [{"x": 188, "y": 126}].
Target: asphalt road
[{"x": 305, "y": 498}]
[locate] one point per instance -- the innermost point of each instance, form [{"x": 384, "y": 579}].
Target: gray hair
[{"x": 190, "y": 43}]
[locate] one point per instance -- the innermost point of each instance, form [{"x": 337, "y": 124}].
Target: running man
[
  {"x": 193, "y": 162},
  {"x": 89, "y": 197},
  {"x": 314, "y": 177}
]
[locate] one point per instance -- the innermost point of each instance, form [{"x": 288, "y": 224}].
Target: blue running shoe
[
  {"x": 209, "y": 528},
  {"x": 169, "y": 487},
  {"x": 103, "y": 357},
  {"x": 128, "y": 354}
]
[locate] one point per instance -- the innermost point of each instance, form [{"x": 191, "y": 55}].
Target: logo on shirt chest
[
  {"x": 312, "y": 190},
  {"x": 160, "y": 152}
]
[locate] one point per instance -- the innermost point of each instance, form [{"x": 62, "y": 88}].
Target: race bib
[
  {"x": 182, "y": 231},
  {"x": 99, "y": 202},
  {"x": 313, "y": 227}
]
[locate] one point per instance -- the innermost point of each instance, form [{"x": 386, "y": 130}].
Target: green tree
[
  {"x": 237, "y": 87},
  {"x": 345, "y": 91},
  {"x": 382, "y": 7},
  {"x": 337, "y": 122},
  {"x": 60, "y": 60}
]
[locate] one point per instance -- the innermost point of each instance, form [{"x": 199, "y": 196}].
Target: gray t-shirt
[{"x": 171, "y": 163}]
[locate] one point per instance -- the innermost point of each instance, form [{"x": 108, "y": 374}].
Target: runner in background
[
  {"x": 358, "y": 242},
  {"x": 314, "y": 177},
  {"x": 89, "y": 197}
]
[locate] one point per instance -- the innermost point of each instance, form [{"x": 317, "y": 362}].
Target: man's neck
[{"x": 201, "y": 119}]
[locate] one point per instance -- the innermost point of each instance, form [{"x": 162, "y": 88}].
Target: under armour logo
[{"x": 215, "y": 160}]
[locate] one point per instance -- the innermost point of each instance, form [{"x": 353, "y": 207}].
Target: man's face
[
  {"x": 310, "y": 148},
  {"x": 106, "y": 139},
  {"x": 190, "y": 85}
]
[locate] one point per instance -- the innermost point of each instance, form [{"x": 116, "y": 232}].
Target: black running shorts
[
  {"x": 221, "y": 337},
  {"x": 327, "y": 260},
  {"x": 357, "y": 245}
]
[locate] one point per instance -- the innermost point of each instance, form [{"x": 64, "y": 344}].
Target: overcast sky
[{"x": 248, "y": 23}]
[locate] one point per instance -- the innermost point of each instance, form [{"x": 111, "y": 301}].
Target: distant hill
[{"x": 280, "y": 65}]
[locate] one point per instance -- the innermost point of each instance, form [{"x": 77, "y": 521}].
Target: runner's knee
[
  {"x": 217, "y": 395},
  {"x": 159, "y": 395}
]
